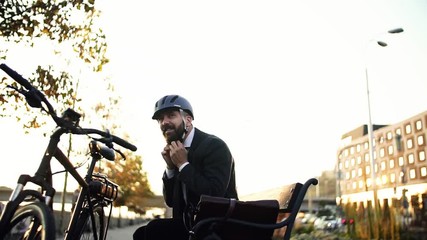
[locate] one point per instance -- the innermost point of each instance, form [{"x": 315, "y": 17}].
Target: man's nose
[{"x": 164, "y": 121}]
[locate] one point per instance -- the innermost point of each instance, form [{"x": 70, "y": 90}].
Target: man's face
[{"x": 172, "y": 125}]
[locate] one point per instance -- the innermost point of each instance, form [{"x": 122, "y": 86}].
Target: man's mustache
[{"x": 167, "y": 127}]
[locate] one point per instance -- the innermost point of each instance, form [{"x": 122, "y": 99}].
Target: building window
[
  {"x": 346, "y": 165},
  {"x": 409, "y": 143},
  {"x": 368, "y": 170},
  {"x": 421, "y": 155},
  {"x": 384, "y": 179},
  {"x": 382, "y": 152},
  {"x": 346, "y": 152},
  {"x": 390, "y": 150},
  {"x": 411, "y": 159},
  {"x": 383, "y": 165},
  {"x": 353, "y": 173},
  {"x": 352, "y": 162},
  {"x": 361, "y": 184},
  {"x": 389, "y": 136},
  {"x": 401, "y": 161},
  {"x": 359, "y": 160},
  {"x": 403, "y": 176},
  {"x": 359, "y": 172},
  {"x": 366, "y": 157},
  {"x": 398, "y": 142},
  {"x": 352, "y": 150},
  {"x": 368, "y": 182},
  {"x": 423, "y": 172},
  {"x": 420, "y": 140},
  {"x": 354, "y": 185},
  {"x": 358, "y": 148},
  {"x": 418, "y": 125},
  {"x": 412, "y": 173},
  {"x": 366, "y": 145},
  {"x": 391, "y": 163},
  {"x": 408, "y": 129},
  {"x": 398, "y": 131},
  {"x": 347, "y": 175}
]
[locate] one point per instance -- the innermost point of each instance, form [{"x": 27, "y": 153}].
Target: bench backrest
[{"x": 290, "y": 199}]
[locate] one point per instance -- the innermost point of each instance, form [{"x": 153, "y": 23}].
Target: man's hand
[
  {"x": 177, "y": 153},
  {"x": 167, "y": 158}
]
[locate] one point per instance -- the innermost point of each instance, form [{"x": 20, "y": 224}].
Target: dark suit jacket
[{"x": 210, "y": 172}]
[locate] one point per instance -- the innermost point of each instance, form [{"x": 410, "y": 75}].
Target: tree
[
  {"x": 71, "y": 29},
  {"x": 66, "y": 25},
  {"x": 58, "y": 21},
  {"x": 128, "y": 173},
  {"x": 133, "y": 182}
]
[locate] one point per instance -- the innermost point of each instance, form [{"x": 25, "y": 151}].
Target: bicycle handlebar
[
  {"x": 16, "y": 76},
  {"x": 118, "y": 140},
  {"x": 73, "y": 129}
]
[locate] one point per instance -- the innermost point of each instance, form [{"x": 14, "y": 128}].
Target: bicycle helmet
[{"x": 172, "y": 101}]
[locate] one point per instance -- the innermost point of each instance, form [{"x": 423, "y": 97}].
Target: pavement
[{"x": 123, "y": 233}]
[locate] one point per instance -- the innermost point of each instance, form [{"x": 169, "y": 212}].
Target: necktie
[{"x": 184, "y": 188}]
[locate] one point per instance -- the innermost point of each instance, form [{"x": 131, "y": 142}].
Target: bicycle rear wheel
[
  {"x": 84, "y": 226},
  {"x": 34, "y": 221}
]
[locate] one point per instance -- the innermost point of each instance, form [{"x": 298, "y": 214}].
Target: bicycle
[{"x": 29, "y": 213}]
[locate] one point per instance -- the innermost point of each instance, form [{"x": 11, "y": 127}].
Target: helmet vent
[
  {"x": 163, "y": 100},
  {"x": 174, "y": 98}
]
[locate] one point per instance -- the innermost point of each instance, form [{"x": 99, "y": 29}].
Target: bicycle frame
[{"x": 43, "y": 178}]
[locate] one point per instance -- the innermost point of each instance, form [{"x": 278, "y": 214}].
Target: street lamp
[{"x": 370, "y": 126}]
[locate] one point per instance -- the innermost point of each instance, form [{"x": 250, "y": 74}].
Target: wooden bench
[{"x": 289, "y": 202}]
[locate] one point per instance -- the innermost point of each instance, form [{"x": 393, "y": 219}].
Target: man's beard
[{"x": 177, "y": 135}]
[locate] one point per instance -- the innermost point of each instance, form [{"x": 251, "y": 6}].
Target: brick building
[{"x": 400, "y": 165}]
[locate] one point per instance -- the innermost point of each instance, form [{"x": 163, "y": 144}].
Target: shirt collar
[{"x": 189, "y": 139}]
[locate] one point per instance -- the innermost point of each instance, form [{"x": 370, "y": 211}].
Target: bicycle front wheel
[
  {"x": 34, "y": 221},
  {"x": 85, "y": 226}
]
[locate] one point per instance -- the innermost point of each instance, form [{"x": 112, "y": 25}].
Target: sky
[{"x": 279, "y": 81}]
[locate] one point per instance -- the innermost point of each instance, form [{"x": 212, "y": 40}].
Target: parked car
[
  {"x": 308, "y": 218},
  {"x": 328, "y": 223}
]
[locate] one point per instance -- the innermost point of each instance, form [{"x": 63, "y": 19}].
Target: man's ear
[{"x": 189, "y": 118}]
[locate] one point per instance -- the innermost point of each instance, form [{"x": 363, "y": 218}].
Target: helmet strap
[{"x": 185, "y": 125}]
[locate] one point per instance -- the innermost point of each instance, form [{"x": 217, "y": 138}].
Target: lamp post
[
  {"x": 370, "y": 125},
  {"x": 374, "y": 228}
]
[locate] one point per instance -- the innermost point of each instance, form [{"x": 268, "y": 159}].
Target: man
[{"x": 207, "y": 167}]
